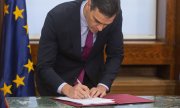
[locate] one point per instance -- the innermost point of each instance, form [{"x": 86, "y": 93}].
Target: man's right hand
[{"x": 78, "y": 91}]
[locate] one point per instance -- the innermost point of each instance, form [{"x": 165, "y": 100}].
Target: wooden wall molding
[
  {"x": 139, "y": 53},
  {"x": 170, "y": 22},
  {"x": 145, "y": 87},
  {"x": 177, "y": 42},
  {"x": 147, "y": 53}
]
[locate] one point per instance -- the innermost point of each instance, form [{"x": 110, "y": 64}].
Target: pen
[{"x": 81, "y": 84}]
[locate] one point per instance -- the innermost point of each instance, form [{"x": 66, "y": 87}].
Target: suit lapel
[{"x": 76, "y": 33}]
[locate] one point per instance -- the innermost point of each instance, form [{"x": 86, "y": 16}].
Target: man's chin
[{"x": 94, "y": 31}]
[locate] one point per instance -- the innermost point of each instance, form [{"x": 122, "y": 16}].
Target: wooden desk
[{"x": 46, "y": 102}]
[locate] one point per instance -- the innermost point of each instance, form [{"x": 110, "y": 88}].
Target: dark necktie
[{"x": 85, "y": 53}]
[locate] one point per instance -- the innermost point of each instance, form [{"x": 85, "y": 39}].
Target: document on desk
[
  {"x": 88, "y": 101},
  {"x": 110, "y": 99}
]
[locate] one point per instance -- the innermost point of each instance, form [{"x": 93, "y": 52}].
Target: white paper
[{"x": 88, "y": 101}]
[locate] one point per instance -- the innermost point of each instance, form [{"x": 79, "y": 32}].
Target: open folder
[{"x": 110, "y": 99}]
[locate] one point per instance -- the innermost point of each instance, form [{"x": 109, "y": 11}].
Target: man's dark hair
[{"x": 106, "y": 7}]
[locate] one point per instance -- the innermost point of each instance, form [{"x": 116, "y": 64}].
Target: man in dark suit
[{"x": 63, "y": 42}]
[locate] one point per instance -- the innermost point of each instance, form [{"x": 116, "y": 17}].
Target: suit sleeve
[
  {"x": 114, "y": 51},
  {"x": 47, "y": 55}
]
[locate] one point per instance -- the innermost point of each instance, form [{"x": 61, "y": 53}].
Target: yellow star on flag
[
  {"x": 19, "y": 81},
  {"x": 29, "y": 65},
  {"x": 6, "y": 89},
  {"x": 6, "y": 9},
  {"x": 29, "y": 46},
  {"x": 26, "y": 27},
  {"x": 18, "y": 13}
]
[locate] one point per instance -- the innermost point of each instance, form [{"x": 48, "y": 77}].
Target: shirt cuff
[
  {"x": 107, "y": 88},
  {"x": 60, "y": 87}
]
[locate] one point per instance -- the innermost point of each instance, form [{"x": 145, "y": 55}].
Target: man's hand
[
  {"x": 79, "y": 91},
  {"x": 99, "y": 91}
]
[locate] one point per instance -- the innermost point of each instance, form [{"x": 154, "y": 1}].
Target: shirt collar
[{"x": 83, "y": 19}]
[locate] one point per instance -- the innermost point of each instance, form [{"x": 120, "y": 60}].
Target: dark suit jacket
[{"x": 59, "y": 56}]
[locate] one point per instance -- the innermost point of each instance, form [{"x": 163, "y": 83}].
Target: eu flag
[{"x": 16, "y": 74}]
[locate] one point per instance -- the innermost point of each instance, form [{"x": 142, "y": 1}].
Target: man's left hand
[{"x": 99, "y": 91}]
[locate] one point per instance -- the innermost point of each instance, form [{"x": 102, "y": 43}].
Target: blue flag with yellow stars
[{"x": 16, "y": 74}]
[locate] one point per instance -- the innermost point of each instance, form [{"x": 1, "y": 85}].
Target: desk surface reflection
[{"x": 46, "y": 102}]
